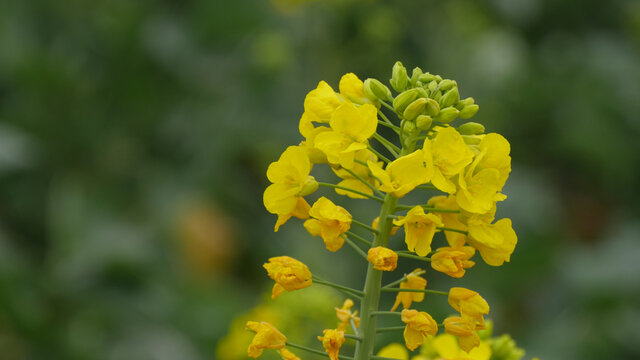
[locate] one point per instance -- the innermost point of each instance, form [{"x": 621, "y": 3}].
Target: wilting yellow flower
[
  {"x": 453, "y": 260},
  {"x": 469, "y": 304},
  {"x": 464, "y": 330},
  {"x": 288, "y": 355},
  {"x": 394, "y": 351},
  {"x": 332, "y": 340},
  {"x": 450, "y": 220},
  {"x": 495, "y": 242},
  {"x": 374, "y": 224},
  {"x": 447, "y": 347},
  {"x": 288, "y": 273},
  {"x": 352, "y": 182},
  {"x": 267, "y": 337},
  {"x": 382, "y": 258},
  {"x": 329, "y": 221},
  {"x": 419, "y": 229},
  {"x": 449, "y": 154},
  {"x": 419, "y": 325},
  {"x": 403, "y": 174},
  {"x": 413, "y": 282},
  {"x": 344, "y": 314},
  {"x": 351, "y": 127},
  {"x": 291, "y": 180}
]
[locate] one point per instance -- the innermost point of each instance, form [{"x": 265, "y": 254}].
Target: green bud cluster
[{"x": 504, "y": 348}]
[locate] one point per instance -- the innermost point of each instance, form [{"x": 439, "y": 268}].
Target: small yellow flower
[
  {"x": 419, "y": 325},
  {"x": 478, "y": 188},
  {"x": 329, "y": 221},
  {"x": 288, "y": 355},
  {"x": 382, "y": 258},
  {"x": 415, "y": 282},
  {"x": 450, "y": 220},
  {"x": 352, "y": 89},
  {"x": 464, "y": 330},
  {"x": 301, "y": 211},
  {"x": 267, "y": 337},
  {"x": 419, "y": 229},
  {"x": 494, "y": 149},
  {"x": 374, "y": 224},
  {"x": 332, "y": 340},
  {"x": 449, "y": 154},
  {"x": 453, "y": 260},
  {"x": 403, "y": 174},
  {"x": 321, "y": 102},
  {"x": 344, "y": 314},
  {"x": 469, "y": 304},
  {"x": 288, "y": 273},
  {"x": 495, "y": 242}
]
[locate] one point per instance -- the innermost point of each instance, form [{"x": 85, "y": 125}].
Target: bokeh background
[{"x": 135, "y": 135}]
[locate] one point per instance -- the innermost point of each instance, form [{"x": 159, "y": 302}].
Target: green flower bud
[
  {"x": 415, "y": 108},
  {"x": 449, "y": 98},
  {"x": 415, "y": 75},
  {"x": 399, "y": 78},
  {"x": 309, "y": 187},
  {"x": 471, "y": 128},
  {"x": 504, "y": 348},
  {"x": 375, "y": 90},
  {"x": 468, "y": 111},
  {"x": 426, "y": 77},
  {"x": 433, "y": 86},
  {"x": 404, "y": 99},
  {"x": 422, "y": 92},
  {"x": 409, "y": 127},
  {"x": 462, "y": 103},
  {"x": 436, "y": 95},
  {"x": 471, "y": 139},
  {"x": 447, "y": 84},
  {"x": 423, "y": 122},
  {"x": 447, "y": 115},
  {"x": 438, "y": 78},
  {"x": 433, "y": 108}
]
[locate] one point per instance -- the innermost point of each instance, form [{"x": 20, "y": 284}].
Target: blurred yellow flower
[
  {"x": 447, "y": 347},
  {"x": 495, "y": 242},
  {"x": 403, "y": 174},
  {"x": 469, "y": 304},
  {"x": 332, "y": 340},
  {"x": 344, "y": 315},
  {"x": 288, "y": 355},
  {"x": 288, "y": 273},
  {"x": 267, "y": 337},
  {"x": 449, "y": 155},
  {"x": 413, "y": 282},
  {"x": 453, "y": 260},
  {"x": 329, "y": 221},
  {"x": 494, "y": 152},
  {"x": 394, "y": 351},
  {"x": 464, "y": 330},
  {"x": 382, "y": 258},
  {"x": 419, "y": 325},
  {"x": 419, "y": 229}
]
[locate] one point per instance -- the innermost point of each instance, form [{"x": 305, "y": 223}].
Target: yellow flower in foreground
[
  {"x": 419, "y": 325},
  {"x": 413, "y": 282},
  {"x": 449, "y": 154},
  {"x": 288, "y": 355},
  {"x": 352, "y": 89},
  {"x": 403, "y": 174},
  {"x": 332, "y": 340},
  {"x": 291, "y": 180},
  {"x": 345, "y": 315},
  {"x": 267, "y": 337},
  {"x": 288, "y": 273},
  {"x": 329, "y": 221},
  {"x": 321, "y": 102},
  {"x": 453, "y": 260},
  {"x": 450, "y": 220},
  {"x": 464, "y": 330},
  {"x": 382, "y": 258},
  {"x": 469, "y": 304},
  {"x": 394, "y": 351},
  {"x": 495, "y": 242},
  {"x": 447, "y": 348},
  {"x": 479, "y": 190},
  {"x": 419, "y": 229}
]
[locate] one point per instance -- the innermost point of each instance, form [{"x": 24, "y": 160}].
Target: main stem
[{"x": 372, "y": 284}]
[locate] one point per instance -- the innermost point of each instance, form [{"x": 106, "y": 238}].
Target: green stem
[
  {"x": 314, "y": 351},
  {"x": 394, "y": 150},
  {"x": 354, "y": 337},
  {"x": 349, "y": 290},
  {"x": 390, "y": 126},
  {"x": 374, "y": 313},
  {"x": 380, "y": 156},
  {"x": 409, "y": 256},
  {"x": 404, "y": 278},
  {"x": 387, "y": 106},
  {"x": 415, "y": 290},
  {"x": 363, "y": 225},
  {"x": 354, "y": 246},
  {"x": 351, "y": 190},
  {"x": 428, "y": 208},
  {"x": 391, "y": 328},
  {"x": 353, "y": 326},
  {"x": 362, "y": 180},
  {"x": 359, "y": 238},
  {"x": 453, "y": 230}
]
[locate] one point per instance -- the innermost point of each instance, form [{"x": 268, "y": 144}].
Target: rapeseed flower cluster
[{"x": 459, "y": 172}]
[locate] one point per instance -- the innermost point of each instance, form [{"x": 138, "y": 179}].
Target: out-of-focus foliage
[{"x": 134, "y": 136}]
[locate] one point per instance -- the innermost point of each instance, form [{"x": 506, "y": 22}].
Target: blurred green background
[{"x": 135, "y": 136}]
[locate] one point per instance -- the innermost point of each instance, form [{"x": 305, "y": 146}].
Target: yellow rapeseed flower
[
  {"x": 415, "y": 282},
  {"x": 495, "y": 149},
  {"x": 288, "y": 273},
  {"x": 332, "y": 340},
  {"x": 344, "y": 314},
  {"x": 419, "y": 229},
  {"x": 447, "y": 347},
  {"x": 464, "y": 330},
  {"x": 288, "y": 355},
  {"x": 394, "y": 351},
  {"x": 450, "y": 220},
  {"x": 449, "y": 154},
  {"x": 301, "y": 211},
  {"x": 267, "y": 337},
  {"x": 352, "y": 182},
  {"x": 495, "y": 242},
  {"x": 479, "y": 191},
  {"x": 321, "y": 102},
  {"x": 382, "y": 258},
  {"x": 419, "y": 325},
  {"x": 403, "y": 174},
  {"x": 469, "y": 304},
  {"x": 453, "y": 260},
  {"x": 352, "y": 89},
  {"x": 329, "y": 221}
]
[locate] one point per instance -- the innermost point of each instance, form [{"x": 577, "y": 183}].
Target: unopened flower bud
[
  {"x": 415, "y": 75},
  {"x": 426, "y": 77},
  {"x": 471, "y": 128},
  {"x": 471, "y": 139},
  {"x": 414, "y": 109},
  {"x": 309, "y": 187},
  {"x": 447, "y": 115},
  {"x": 505, "y": 348},
  {"x": 468, "y": 111},
  {"x": 433, "y": 86},
  {"x": 438, "y": 78},
  {"x": 409, "y": 126},
  {"x": 464, "y": 102},
  {"x": 447, "y": 84},
  {"x": 375, "y": 90},
  {"x": 423, "y": 122},
  {"x": 399, "y": 78},
  {"x": 450, "y": 98},
  {"x": 404, "y": 99},
  {"x": 433, "y": 108},
  {"x": 422, "y": 92}
]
